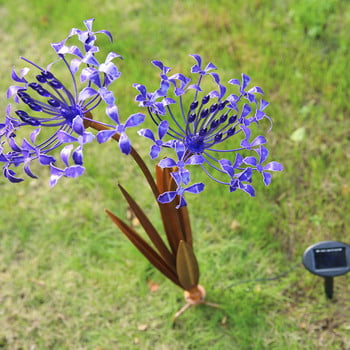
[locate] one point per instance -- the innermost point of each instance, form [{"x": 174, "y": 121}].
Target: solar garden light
[{"x": 328, "y": 259}]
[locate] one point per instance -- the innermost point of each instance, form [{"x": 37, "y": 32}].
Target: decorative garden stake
[
  {"x": 179, "y": 264},
  {"x": 195, "y": 125}
]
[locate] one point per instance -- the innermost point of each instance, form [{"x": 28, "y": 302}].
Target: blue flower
[
  {"x": 201, "y": 125},
  {"x": 163, "y": 128},
  {"x": 241, "y": 179},
  {"x": 263, "y": 169},
  {"x": 180, "y": 178},
  {"x": 46, "y": 102}
]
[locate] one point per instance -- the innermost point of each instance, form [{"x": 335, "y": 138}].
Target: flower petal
[
  {"x": 104, "y": 135},
  {"x": 107, "y": 96},
  {"x": 65, "y": 154},
  {"x": 112, "y": 112},
  {"x": 124, "y": 143},
  {"x": 74, "y": 171},
  {"x": 135, "y": 120},
  {"x": 167, "y": 197},
  {"x": 273, "y": 166},
  {"x": 147, "y": 133},
  {"x": 167, "y": 163},
  {"x": 196, "y": 188}
]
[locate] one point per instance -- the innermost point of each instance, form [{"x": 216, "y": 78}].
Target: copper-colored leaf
[
  {"x": 169, "y": 213},
  {"x": 153, "y": 257},
  {"x": 185, "y": 224},
  {"x": 187, "y": 266},
  {"x": 150, "y": 230}
]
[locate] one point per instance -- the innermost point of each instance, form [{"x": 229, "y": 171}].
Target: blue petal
[
  {"x": 111, "y": 56},
  {"x": 238, "y": 161},
  {"x": 198, "y": 59},
  {"x": 20, "y": 79},
  {"x": 227, "y": 166},
  {"x": 110, "y": 69},
  {"x": 154, "y": 151},
  {"x": 27, "y": 170},
  {"x": 248, "y": 189},
  {"x": 163, "y": 128},
  {"x": 267, "y": 177},
  {"x": 27, "y": 146},
  {"x": 135, "y": 120},
  {"x": 34, "y": 135},
  {"x": 124, "y": 144},
  {"x": 178, "y": 178},
  {"x": 158, "y": 64},
  {"x": 246, "y": 175},
  {"x": 78, "y": 125},
  {"x": 195, "y": 160},
  {"x": 235, "y": 82},
  {"x": 65, "y": 154},
  {"x": 167, "y": 197},
  {"x": 250, "y": 161},
  {"x": 46, "y": 160},
  {"x": 10, "y": 175},
  {"x": 87, "y": 93},
  {"x": 65, "y": 137},
  {"x": 104, "y": 135},
  {"x": 56, "y": 174},
  {"x": 245, "y": 81},
  {"x": 14, "y": 145},
  {"x": 209, "y": 67},
  {"x": 182, "y": 202},
  {"x": 259, "y": 140},
  {"x": 107, "y": 33},
  {"x": 180, "y": 149},
  {"x": 112, "y": 112},
  {"x": 167, "y": 163},
  {"x": 246, "y": 110},
  {"x": 90, "y": 59},
  {"x": 263, "y": 153},
  {"x": 147, "y": 133},
  {"x": 74, "y": 171},
  {"x": 216, "y": 77},
  {"x": 107, "y": 96},
  {"x": 88, "y": 23},
  {"x": 77, "y": 156},
  {"x": 196, "y": 188},
  {"x": 273, "y": 166}
]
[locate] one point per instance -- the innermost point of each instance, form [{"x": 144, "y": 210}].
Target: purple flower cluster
[
  {"x": 47, "y": 103},
  {"x": 202, "y": 121},
  {"x": 207, "y": 129}
]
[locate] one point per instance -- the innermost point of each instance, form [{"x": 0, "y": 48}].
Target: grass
[{"x": 70, "y": 280}]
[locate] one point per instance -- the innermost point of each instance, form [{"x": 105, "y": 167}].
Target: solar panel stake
[
  {"x": 328, "y": 259},
  {"x": 328, "y": 287}
]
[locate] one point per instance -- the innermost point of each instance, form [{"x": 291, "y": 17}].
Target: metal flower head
[
  {"x": 49, "y": 103},
  {"x": 205, "y": 128}
]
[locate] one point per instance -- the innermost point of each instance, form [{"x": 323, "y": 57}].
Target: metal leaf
[
  {"x": 187, "y": 266},
  {"x": 150, "y": 254},
  {"x": 150, "y": 230}
]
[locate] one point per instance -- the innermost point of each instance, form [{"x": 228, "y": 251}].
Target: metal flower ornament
[
  {"x": 198, "y": 122},
  {"x": 65, "y": 109},
  {"x": 211, "y": 125}
]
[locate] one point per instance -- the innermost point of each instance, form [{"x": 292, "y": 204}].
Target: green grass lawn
[{"x": 70, "y": 280}]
